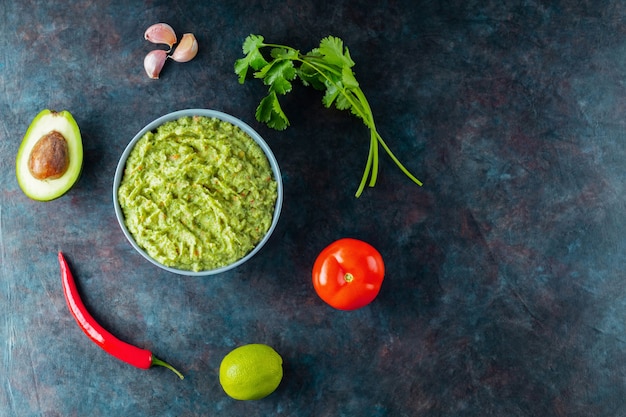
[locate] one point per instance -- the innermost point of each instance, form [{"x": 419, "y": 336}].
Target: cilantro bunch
[{"x": 327, "y": 68}]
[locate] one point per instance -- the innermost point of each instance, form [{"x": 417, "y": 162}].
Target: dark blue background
[{"x": 505, "y": 292}]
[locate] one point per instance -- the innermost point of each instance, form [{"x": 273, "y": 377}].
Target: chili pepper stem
[{"x": 158, "y": 362}]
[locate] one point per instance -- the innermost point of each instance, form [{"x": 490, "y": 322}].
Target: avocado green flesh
[
  {"x": 197, "y": 194},
  {"x": 45, "y": 122}
]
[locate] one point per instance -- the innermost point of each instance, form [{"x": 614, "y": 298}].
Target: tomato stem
[{"x": 348, "y": 277}]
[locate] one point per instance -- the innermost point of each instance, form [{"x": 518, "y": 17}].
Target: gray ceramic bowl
[{"x": 207, "y": 113}]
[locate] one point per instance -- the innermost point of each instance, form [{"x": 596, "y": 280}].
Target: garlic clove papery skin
[
  {"x": 187, "y": 49},
  {"x": 153, "y": 63},
  {"x": 161, "y": 33}
]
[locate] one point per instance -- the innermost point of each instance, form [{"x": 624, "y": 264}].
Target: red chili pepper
[{"x": 141, "y": 358}]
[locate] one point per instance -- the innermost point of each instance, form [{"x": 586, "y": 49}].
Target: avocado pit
[{"x": 50, "y": 157}]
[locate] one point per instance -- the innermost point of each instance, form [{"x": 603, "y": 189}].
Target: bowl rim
[{"x": 119, "y": 171}]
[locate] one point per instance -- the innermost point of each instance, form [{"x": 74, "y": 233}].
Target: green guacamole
[{"x": 197, "y": 194}]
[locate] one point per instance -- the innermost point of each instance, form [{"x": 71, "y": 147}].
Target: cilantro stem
[
  {"x": 382, "y": 143},
  {"x": 365, "y": 113},
  {"x": 368, "y": 166}
]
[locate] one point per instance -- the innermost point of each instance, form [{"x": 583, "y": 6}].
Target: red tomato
[{"x": 348, "y": 274}]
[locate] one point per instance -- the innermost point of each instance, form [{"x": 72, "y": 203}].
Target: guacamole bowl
[{"x": 197, "y": 192}]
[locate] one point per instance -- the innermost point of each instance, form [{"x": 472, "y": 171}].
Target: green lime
[{"x": 251, "y": 372}]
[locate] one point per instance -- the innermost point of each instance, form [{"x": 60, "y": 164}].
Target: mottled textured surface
[{"x": 505, "y": 292}]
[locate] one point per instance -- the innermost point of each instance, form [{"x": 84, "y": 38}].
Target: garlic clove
[
  {"x": 153, "y": 63},
  {"x": 186, "y": 49},
  {"x": 161, "y": 33}
]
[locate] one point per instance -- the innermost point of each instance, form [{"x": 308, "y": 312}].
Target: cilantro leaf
[
  {"x": 241, "y": 69},
  {"x": 284, "y": 53},
  {"x": 348, "y": 79},
  {"x": 337, "y": 93},
  {"x": 252, "y": 59},
  {"x": 309, "y": 76},
  {"x": 278, "y": 75},
  {"x": 252, "y": 43},
  {"x": 331, "y": 48},
  {"x": 343, "y": 102},
  {"x": 332, "y": 91},
  {"x": 270, "y": 112}
]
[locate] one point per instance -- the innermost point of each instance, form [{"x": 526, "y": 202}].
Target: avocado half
[{"x": 50, "y": 158}]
